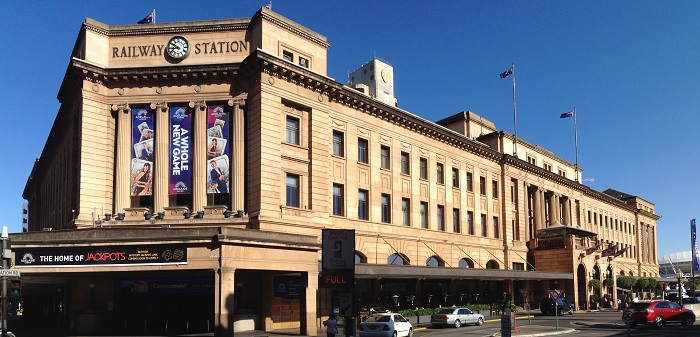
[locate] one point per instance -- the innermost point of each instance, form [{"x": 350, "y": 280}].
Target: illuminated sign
[{"x": 102, "y": 256}]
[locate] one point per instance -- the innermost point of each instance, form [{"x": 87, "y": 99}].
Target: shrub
[
  {"x": 408, "y": 312},
  {"x": 608, "y": 282},
  {"x": 594, "y": 283}
]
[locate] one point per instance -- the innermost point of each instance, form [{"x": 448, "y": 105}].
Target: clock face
[
  {"x": 385, "y": 75},
  {"x": 178, "y": 48}
]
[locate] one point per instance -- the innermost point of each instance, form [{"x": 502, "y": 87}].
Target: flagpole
[
  {"x": 515, "y": 130},
  {"x": 154, "y": 15},
  {"x": 576, "y": 142}
]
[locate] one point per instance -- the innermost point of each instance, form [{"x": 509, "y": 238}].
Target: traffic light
[{"x": 15, "y": 288}]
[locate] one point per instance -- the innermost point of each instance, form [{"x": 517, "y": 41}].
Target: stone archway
[{"x": 581, "y": 302}]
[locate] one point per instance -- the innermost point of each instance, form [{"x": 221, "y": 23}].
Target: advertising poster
[
  {"x": 180, "y": 131},
  {"x": 218, "y": 149},
  {"x": 142, "y": 137},
  {"x": 102, "y": 256}
]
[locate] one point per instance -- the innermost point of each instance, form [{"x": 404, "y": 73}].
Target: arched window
[
  {"x": 360, "y": 258},
  {"x": 466, "y": 263},
  {"x": 622, "y": 272},
  {"x": 492, "y": 264},
  {"x": 631, "y": 274},
  {"x": 397, "y": 259},
  {"x": 435, "y": 261}
]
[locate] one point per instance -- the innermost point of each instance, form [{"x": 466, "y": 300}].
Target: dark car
[
  {"x": 563, "y": 306},
  {"x": 658, "y": 313}
]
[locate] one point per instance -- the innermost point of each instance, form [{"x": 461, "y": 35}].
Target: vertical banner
[
  {"x": 694, "y": 243},
  {"x": 180, "y": 128},
  {"x": 217, "y": 149},
  {"x": 338, "y": 258},
  {"x": 142, "y": 136}
]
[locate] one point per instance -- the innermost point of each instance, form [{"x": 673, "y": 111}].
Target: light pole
[
  {"x": 6, "y": 255},
  {"x": 679, "y": 275}
]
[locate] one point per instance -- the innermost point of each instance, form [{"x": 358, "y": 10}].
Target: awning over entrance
[
  {"x": 559, "y": 229},
  {"x": 393, "y": 271}
]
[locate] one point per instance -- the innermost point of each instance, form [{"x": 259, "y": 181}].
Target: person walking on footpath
[{"x": 331, "y": 326}]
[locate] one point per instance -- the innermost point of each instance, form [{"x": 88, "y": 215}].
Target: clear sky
[{"x": 629, "y": 67}]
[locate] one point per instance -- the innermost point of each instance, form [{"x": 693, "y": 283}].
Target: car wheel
[
  {"x": 410, "y": 332},
  {"x": 658, "y": 321},
  {"x": 689, "y": 321},
  {"x": 458, "y": 323},
  {"x": 571, "y": 312},
  {"x": 480, "y": 321}
]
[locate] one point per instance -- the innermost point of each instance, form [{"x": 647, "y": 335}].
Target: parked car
[
  {"x": 691, "y": 300},
  {"x": 659, "y": 313},
  {"x": 563, "y": 306},
  {"x": 386, "y": 325},
  {"x": 456, "y": 317}
]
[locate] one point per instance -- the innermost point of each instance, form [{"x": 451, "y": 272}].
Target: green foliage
[
  {"x": 652, "y": 282},
  {"x": 642, "y": 283},
  {"x": 625, "y": 282},
  {"x": 608, "y": 282},
  {"x": 425, "y": 311},
  {"x": 408, "y": 312},
  {"x": 594, "y": 283}
]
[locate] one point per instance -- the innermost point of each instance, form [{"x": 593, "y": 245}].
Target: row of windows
[
  {"x": 618, "y": 225},
  {"x": 385, "y": 162},
  {"x": 385, "y": 210}
]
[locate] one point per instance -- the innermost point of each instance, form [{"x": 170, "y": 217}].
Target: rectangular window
[
  {"x": 362, "y": 210},
  {"x": 303, "y": 62},
  {"x": 547, "y": 166},
  {"x": 470, "y": 182},
  {"x": 288, "y": 56},
  {"x": 423, "y": 214},
  {"x": 424, "y": 168},
  {"x": 441, "y": 217},
  {"x": 440, "y": 173},
  {"x": 484, "y": 229},
  {"x": 470, "y": 222},
  {"x": 455, "y": 177},
  {"x": 406, "y": 211},
  {"x": 494, "y": 189},
  {"x": 338, "y": 144},
  {"x": 455, "y": 221},
  {"x": 562, "y": 173},
  {"x": 362, "y": 150},
  {"x": 386, "y": 208},
  {"x": 405, "y": 163},
  {"x": 292, "y": 130},
  {"x": 496, "y": 232},
  {"x": 518, "y": 266},
  {"x": 338, "y": 200},
  {"x": 482, "y": 185},
  {"x": 292, "y": 190},
  {"x": 531, "y": 160},
  {"x": 386, "y": 157}
]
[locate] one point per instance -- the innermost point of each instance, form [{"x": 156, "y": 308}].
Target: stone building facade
[{"x": 205, "y": 158}]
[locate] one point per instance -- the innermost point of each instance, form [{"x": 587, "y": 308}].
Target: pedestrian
[
  {"x": 619, "y": 304},
  {"x": 331, "y": 326}
]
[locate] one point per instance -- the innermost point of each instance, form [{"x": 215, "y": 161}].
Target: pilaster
[{"x": 123, "y": 161}]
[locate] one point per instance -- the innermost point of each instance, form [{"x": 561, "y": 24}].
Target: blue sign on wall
[{"x": 288, "y": 287}]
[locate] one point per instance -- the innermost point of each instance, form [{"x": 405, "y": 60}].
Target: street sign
[
  {"x": 628, "y": 316},
  {"x": 554, "y": 294},
  {"x": 9, "y": 272}
]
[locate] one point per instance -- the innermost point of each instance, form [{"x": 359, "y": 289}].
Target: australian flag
[
  {"x": 566, "y": 114},
  {"x": 148, "y": 19},
  {"x": 507, "y": 72}
]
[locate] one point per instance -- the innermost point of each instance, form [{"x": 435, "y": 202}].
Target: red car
[{"x": 659, "y": 313}]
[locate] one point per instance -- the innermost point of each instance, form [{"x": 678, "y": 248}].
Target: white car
[
  {"x": 456, "y": 317},
  {"x": 386, "y": 325}
]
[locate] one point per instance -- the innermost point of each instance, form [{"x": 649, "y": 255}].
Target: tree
[
  {"x": 608, "y": 282},
  {"x": 642, "y": 283},
  {"x": 652, "y": 283},
  {"x": 594, "y": 283},
  {"x": 625, "y": 282}
]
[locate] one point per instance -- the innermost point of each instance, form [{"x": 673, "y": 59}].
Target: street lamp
[
  {"x": 396, "y": 300},
  {"x": 430, "y": 300},
  {"x": 679, "y": 275}
]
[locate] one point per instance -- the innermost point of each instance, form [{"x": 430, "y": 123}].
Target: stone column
[
  {"x": 552, "y": 209},
  {"x": 566, "y": 211},
  {"x": 122, "y": 170},
  {"x": 537, "y": 214},
  {"x": 557, "y": 208},
  {"x": 308, "y": 325},
  {"x": 238, "y": 156},
  {"x": 161, "y": 162},
  {"x": 199, "y": 159},
  {"x": 224, "y": 301},
  {"x": 543, "y": 205}
]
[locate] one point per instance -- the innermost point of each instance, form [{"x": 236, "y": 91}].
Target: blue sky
[{"x": 629, "y": 67}]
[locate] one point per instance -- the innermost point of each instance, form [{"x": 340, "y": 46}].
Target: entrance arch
[{"x": 582, "y": 293}]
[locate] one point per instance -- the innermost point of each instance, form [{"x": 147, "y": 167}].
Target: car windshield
[
  {"x": 379, "y": 318},
  {"x": 446, "y": 311}
]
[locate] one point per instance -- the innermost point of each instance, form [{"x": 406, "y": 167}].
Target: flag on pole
[
  {"x": 566, "y": 114},
  {"x": 507, "y": 72},
  {"x": 609, "y": 251},
  {"x": 147, "y": 19},
  {"x": 696, "y": 253},
  {"x": 269, "y": 6}
]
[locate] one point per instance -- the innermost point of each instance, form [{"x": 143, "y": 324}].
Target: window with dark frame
[
  {"x": 405, "y": 211},
  {"x": 424, "y": 168},
  {"x": 287, "y": 56},
  {"x": 470, "y": 222},
  {"x": 386, "y": 208},
  {"x": 362, "y": 151},
  {"x": 423, "y": 214},
  {"x": 338, "y": 200},
  {"x": 470, "y": 182},
  {"x": 455, "y": 221},
  {"x": 292, "y": 130},
  {"x": 440, "y": 171},
  {"x": 292, "y": 190},
  {"x": 496, "y": 231},
  {"x": 494, "y": 189},
  {"x": 338, "y": 144},
  {"x": 482, "y": 185},
  {"x": 385, "y": 153},
  {"x": 362, "y": 203},
  {"x": 455, "y": 177},
  {"x": 304, "y": 62},
  {"x": 484, "y": 226},
  {"x": 441, "y": 217},
  {"x": 405, "y": 163}
]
